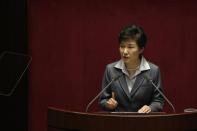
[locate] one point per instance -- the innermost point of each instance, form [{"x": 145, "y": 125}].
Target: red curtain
[{"x": 71, "y": 42}]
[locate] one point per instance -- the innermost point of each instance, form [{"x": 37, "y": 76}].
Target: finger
[
  {"x": 113, "y": 95},
  {"x": 111, "y": 104},
  {"x": 108, "y": 103},
  {"x": 144, "y": 108},
  {"x": 112, "y": 101},
  {"x": 147, "y": 109},
  {"x": 140, "y": 111}
]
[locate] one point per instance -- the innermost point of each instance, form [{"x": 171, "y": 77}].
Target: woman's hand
[
  {"x": 112, "y": 103},
  {"x": 145, "y": 109}
]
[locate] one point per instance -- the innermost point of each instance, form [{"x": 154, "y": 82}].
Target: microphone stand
[
  {"x": 113, "y": 79},
  {"x": 161, "y": 93}
]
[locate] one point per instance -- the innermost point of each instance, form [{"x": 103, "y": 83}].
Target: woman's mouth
[{"x": 125, "y": 58}]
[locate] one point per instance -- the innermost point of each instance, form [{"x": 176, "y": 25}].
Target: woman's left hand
[{"x": 145, "y": 109}]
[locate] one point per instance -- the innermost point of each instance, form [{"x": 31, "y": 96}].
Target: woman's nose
[{"x": 125, "y": 51}]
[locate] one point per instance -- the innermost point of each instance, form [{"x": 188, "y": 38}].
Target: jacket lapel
[
  {"x": 123, "y": 84},
  {"x": 139, "y": 80}
]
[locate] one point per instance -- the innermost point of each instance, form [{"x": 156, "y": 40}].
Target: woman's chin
[{"x": 126, "y": 61}]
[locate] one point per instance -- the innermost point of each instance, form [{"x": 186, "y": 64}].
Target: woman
[{"x": 132, "y": 91}]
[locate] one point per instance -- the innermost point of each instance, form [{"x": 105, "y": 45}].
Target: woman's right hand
[{"x": 112, "y": 103}]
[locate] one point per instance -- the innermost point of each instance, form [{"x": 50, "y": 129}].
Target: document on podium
[{"x": 12, "y": 67}]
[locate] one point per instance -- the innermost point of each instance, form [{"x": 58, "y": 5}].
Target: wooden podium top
[{"x": 63, "y": 120}]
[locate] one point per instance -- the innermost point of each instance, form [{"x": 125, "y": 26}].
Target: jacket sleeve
[
  {"x": 107, "y": 93},
  {"x": 157, "y": 100}
]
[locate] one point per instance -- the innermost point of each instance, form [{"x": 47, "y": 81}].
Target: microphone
[
  {"x": 146, "y": 77},
  {"x": 13, "y": 66},
  {"x": 113, "y": 79}
]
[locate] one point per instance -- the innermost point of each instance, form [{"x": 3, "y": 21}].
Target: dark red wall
[{"x": 72, "y": 41}]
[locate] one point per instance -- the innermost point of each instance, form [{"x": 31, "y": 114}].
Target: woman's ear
[{"x": 141, "y": 50}]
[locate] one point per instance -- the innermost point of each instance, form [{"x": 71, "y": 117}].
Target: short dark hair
[{"x": 133, "y": 32}]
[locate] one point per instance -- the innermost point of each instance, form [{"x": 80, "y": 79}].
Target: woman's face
[{"x": 130, "y": 51}]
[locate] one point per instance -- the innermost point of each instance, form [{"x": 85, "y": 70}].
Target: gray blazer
[{"x": 142, "y": 93}]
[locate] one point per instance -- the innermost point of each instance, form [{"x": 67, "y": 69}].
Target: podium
[{"x": 63, "y": 120}]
